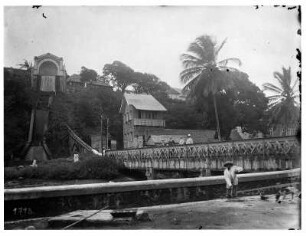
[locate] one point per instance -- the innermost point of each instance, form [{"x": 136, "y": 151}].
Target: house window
[
  {"x": 139, "y": 114},
  {"x": 148, "y": 115}
]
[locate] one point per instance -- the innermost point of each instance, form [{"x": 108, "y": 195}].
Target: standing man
[
  {"x": 189, "y": 139},
  {"x": 231, "y": 179}
]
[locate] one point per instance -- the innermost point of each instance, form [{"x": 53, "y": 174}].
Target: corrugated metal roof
[{"x": 144, "y": 102}]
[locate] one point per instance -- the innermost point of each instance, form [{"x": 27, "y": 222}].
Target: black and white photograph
[{"x": 175, "y": 116}]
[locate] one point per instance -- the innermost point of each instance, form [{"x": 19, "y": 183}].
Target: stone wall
[{"x": 55, "y": 200}]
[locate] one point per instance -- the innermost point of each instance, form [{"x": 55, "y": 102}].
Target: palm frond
[
  {"x": 203, "y": 47},
  {"x": 295, "y": 83},
  {"x": 190, "y": 73},
  {"x": 271, "y": 87},
  {"x": 287, "y": 74},
  {"x": 217, "y": 50},
  {"x": 189, "y": 60},
  {"x": 275, "y": 98},
  {"x": 232, "y": 59},
  {"x": 191, "y": 84},
  {"x": 282, "y": 80}
]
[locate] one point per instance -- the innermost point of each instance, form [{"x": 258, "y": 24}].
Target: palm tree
[
  {"x": 283, "y": 104},
  {"x": 204, "y": 75},
  {"x": 25, "y": 65}
]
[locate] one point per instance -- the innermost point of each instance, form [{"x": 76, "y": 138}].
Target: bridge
[
  {"x": 278, "y": 153},
  {"x": 265, "y": 154}
]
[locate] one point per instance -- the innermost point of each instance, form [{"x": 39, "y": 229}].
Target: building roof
[
  {"x": 99, "y": 83},
  {"x": 144, "y": 102},
  {"x": 173, "y": 91},
  {"x": 74, "y": 78}
]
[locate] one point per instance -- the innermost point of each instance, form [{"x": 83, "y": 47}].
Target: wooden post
[
  {"x": 205, "y": 172},
  {"x": 150, "y": 173},
  {"x": 101, "y": 133},
  {"x": 30, "y": 136},
  {"x": 106, "y": 133}
]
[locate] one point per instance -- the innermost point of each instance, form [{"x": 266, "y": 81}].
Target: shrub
[{"x": 89, "y": 167}]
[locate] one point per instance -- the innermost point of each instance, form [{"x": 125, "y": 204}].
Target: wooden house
[{"x": 142, "y": 114}]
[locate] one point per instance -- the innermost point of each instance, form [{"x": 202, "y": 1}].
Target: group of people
[
  {"x": 189, "y": 140},
  {"x": 182, "y": 141}
]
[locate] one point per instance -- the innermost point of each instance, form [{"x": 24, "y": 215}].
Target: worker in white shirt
[
  {"x": 182, "y": 141},
  {"x": 231, "y": 179},
  {"x": 189, "y": 139}
]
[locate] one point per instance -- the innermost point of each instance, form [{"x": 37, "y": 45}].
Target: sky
[{"x": 151, "y": 38}]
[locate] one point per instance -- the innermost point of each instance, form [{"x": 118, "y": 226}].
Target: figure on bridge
[
  {"x": 189, "y": 139},
  {"x": 182, "y": 141},
  {"x": 231, "y": 179}
]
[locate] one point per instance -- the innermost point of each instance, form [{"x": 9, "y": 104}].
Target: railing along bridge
[{"x": 253, "y": 155}]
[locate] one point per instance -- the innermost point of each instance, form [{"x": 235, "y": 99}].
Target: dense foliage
[
  {"x": 182, "y": 115},
  {"x": 17, "y": 111},
  {"x": 82, "y": 112},
  {"x": 119, "y": 75},
  {"x": 243, "y": 105},
  {"x": 89, "y": 167},
  {"x": 283, "y": 104},
  {"x": 88, "y": 75}
]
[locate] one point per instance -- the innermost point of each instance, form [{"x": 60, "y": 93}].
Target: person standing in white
[
  {"x": 182, "y": 141},
  {"x": 231, "y": 179},
  {"x": 189, "y": 139}
]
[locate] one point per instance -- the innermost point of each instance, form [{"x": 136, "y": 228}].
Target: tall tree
[
  {"x": 88, "y": 75},
  {"x": 119, "y": 75},
  {"x": 283, "y": 104},
  {"x": 204, "y": 75},
  {"x": 151, "y": 84}
]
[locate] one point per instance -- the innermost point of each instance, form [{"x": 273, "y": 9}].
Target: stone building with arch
[{"x": 49, "y": 74}]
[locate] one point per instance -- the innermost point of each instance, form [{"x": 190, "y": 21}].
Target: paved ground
[{"x": 240, "y": 213}]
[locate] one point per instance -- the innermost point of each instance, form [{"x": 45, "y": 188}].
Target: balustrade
[{"x": 270, "y": 153}]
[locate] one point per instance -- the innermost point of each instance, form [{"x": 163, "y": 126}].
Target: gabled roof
[{"x": 145, "y": 102}]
